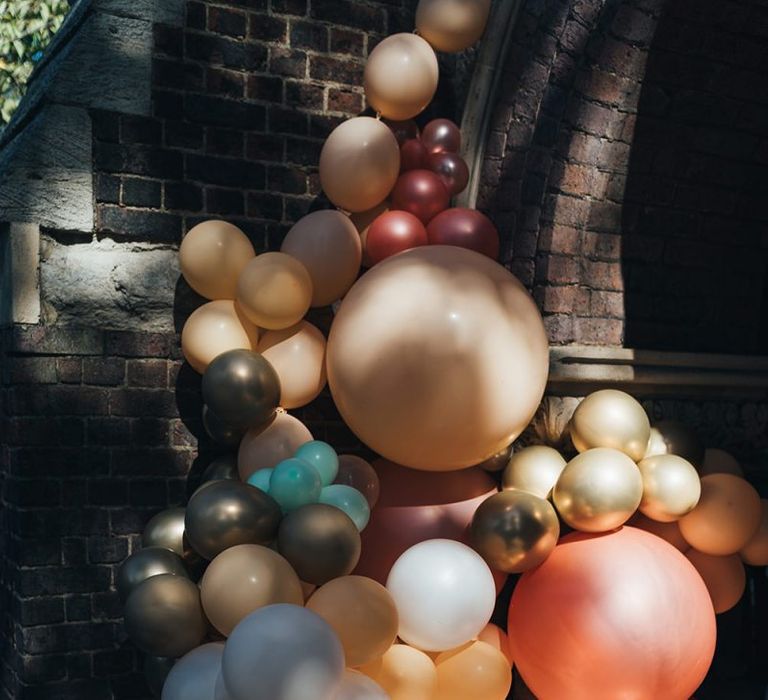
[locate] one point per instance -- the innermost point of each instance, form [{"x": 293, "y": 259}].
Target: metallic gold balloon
[
  {"x": 724, "y": 577},
  {"x": 220, "y": 431},
  {"x": 514, "y": 531},
  {"x": 755, "y": 552},
  {"x": 227, "y": 513},
  {"x": 452, "y": 25},
  {"x": 534, "y": 469},
  {"x": 599, "y": 490},
  {"x": 718, "y": 461},
  {"x": 671, "y": 487},
  {"x": 611, "y": 418},
  {"x": 497, "y": 462},
  {"x": 163, "y": 616},
  {"x": 166, "y": 529},
  {"x": 146, "y": 563},
  {"x": 671, "y": 437},
  {"x": 222, "y": 467},
  {"x": 156, "y": 670}
]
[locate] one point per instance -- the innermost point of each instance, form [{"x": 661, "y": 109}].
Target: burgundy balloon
[
  {"x": 404, "y": 130},
  {"x": 465, "y": 228},
  {"x": 413, "y": 156},
  {"x": 441, "y": 136},
  {"x": 421, "y": 193},
  {"x": 393, "y": 232},
  {"x": 450, "y": 168}
]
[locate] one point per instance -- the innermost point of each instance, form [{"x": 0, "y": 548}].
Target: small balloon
[
  {"x": 221, "y": 432},
  {"x": 724, "y": 577},
  {"x": 441, "y": 136},
  {"x": 357, "y": 686},
  {"x": 671, "y": 437},
  {"x": 357, "y": 473},
  {"x": 294, "y": 483},
  {"x": 755, "y": 552},
  {"x": 194, "y": 675},
  {"x": 392, "y": 233},
  {"x": 421, "y": 193},
  {"x": 144, "y": 564},
  {"x": 450, "y": 168},
  {"x": 413, "y": 156},
  {"x": 534, "y": 469},
  {"x": 498, "y": 461},
  {"x": 718, "y": 461},
  {"x": 497, "y": 638},
  {"x": 222, "y": 467},
  {"x": 403, "y": 130},
  {"x": 671, "y": 487},
  {"x": 166, "y": 529},
  {"x": 322, "y": 457},
  {"x": 465, "y": 228},
  {"x": 156, "y": 670},
  {"x": 260, "y": 479},
  {"x": 452, "y": 25},
  {"x": 404, "y": 673},
  {"x": 266, "y": 446},
  {"x": 362, "y": 221},
  {"x": 349, "y": 500},
  {"x": 475, "y": 670}
]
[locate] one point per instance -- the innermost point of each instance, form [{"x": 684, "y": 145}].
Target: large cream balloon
[
  {"x": 359, "y": 164},
  {"x": 214, "y": 328},
  {"x": 437, "y": 358},
  {"x": 298, "y": 356},
  {"x": 452, "y": 25},
  {"x": 401, "y": 76},
  {"x": 264, "y": 447},
  {"x": 328, "y": 245}
]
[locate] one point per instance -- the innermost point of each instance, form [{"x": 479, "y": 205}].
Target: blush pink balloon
[
  {"x": 393, "y": 232},
  {"x": 449, "y": 167},
  {"x": 441, "y": 135},
  {"x": 403, "y": 130},
  {"x": 413, "y": 156},
  {"x": 421, "y": 193},
  {"x": 465, "y": 228}
]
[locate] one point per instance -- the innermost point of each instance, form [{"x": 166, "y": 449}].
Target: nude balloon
[
  {"x": 755, "y": 552},
  {"x": 264, "y": 447},
  {"x": 452, "y": 25},
  {"x": 404, "y": 673},
  {"x": 477, "y": 670},
  {"x": 724, "y": 577}
]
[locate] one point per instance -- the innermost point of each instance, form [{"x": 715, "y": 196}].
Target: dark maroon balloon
[
  {"x": 441, "y": 136},
  {"x": 451, "y": 169},
  {"x": 393, "y": 232},
  {"x": 465, "y": 228},
  {"x": 420, "y": 192},
  {"x": 404, "y": 130},
  {"x": 413, "y": 156}
]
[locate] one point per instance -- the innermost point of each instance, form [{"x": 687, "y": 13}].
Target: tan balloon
[
  {"x": 755, "y": 552},
  {"x": 298, "y": 356},
  {"x": 599, "y": 490},
  {"x": 497, "y": 638},
  {"x": 534, "y": 469},
  {"x": 404, "y": 673},
  {"x": 670, "y": 532},
  {"x": 726, "y": 517},
  {"x": 401, "y": 76},
  {"x": 718, "y": 461},
  {"x": 671, "y": 487},
  {"x": 328, "y": 245},
  {"x": 274, "y": 291},
  {"x": 359, "y": 164},
  {"x": 724, "y": 577},
  {"x": 361, "y": 612},
  {"x": 611, "y": 418},
  {"x": 476, "y": 670},
  {"x": 362, "y": 221},
  {"x": 452, "y": 25},
  {"x": 264, "y": 447},
  {"x": 212, "y": 255},
  {"x": 214, "y": 328},
  {"x": 437, "y": 358},
  {"x": 244, "y": 578}
]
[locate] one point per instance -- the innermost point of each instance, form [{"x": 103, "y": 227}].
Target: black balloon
[
  {"x": 156, "y": 670},
  {"x": 146, "y": 563},
  {"x": 224, "y": 467},
  {"x": 221, "y": 432}
]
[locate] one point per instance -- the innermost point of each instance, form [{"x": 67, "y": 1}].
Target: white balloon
[
  {"x": 444, "y": 593},
  {"x": 193, "y": 677},
  {"x": 357, "y": 686}
]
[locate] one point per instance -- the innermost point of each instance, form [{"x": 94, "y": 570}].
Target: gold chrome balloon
[
  {"x": 669, "y": 437},
  {"x": 611, "y": 418},
  {"x": 671, "y": 487},
  {"x": 599, "y": 490},
  {"x": 534, "y": 469}
]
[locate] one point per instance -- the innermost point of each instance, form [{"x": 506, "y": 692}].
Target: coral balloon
[
  {"x": 452, "y": 25},
  {"x": 476, "y": 670},
  {"x": 465, "y": 228},
  {"x": 533, "y": 469},
  {"x": 357, "y": 473},
  {"x": 671, "y": 487},
  {"x": 403, "y": 130},
  {"x": 497, "y": 638},
  {"x": 755, "y": 552},
  {"x": 450, "y": 168},
  {"x": 669, "y": 532},
  {"x": 392, "y": 233},
  {"x": 444, "y": 383},
  {"x": 421, "y": 193},
  {"x": 441, "y": 136},
  {"x": 413, "y": 155},
  {"x": 266, "y": 446},
  {"x": 674, "y": 438},
  {"x": 719, "y": 462},
  {"x": 404, "y": 673},
  {"x": 621, "y": 614},
  {"x": 724, "y": 577}
]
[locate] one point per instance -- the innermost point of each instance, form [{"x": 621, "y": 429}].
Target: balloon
[
  {"x": 212, "y": 255},
  {"x": 724, "y": 577},
  {"x": 451, "y": 169},
  {"x": 194, "y": 675},
  {"x": 268, "y": 445},
  {"x": 260, "y": 479},
  {"x": 228, "y": 513},
  {"x": 621, "y": 614},
  {"x": 163, "y": 616},
  {"x": 669, "y": 532},
  {"x": 445, "y": 383},
  {"x": 400, "y": 77},
  {"x": 598, "y": 490},
  {"x": 241, "y": 388},
  {"x": 294, "y": 483},
  {"x": 166, "y": 529},
  {"x": 156, "y": 670},
  {"x": 719, "y": 462},
  {"x": 361, "y": 612},
  {"x": 320, "y": 542},
  {"x": 755, "y": 552},
  {"x": 671, "y": 487},
  {"x": 497, "y": 638},
  {"x": 357, "y": 473},
  {"x": 222, "y": 467},
  {"x": 144, "y": 564},
  {"x": 392, "y": 233},
  {"x": 534, "y": 469},
  {"x": 466, "y": 228},
  {"x": 362, "y": 221},
  {"x": 452, "y": 25},
  {"x": 274, "y": 291},
  {"x": 498, "y": 461},
  {"x": 727, "y": 516},
  {"x": 611, "y": 418},
  {"x": 515, "y": 531},
  {"x": 413, "y": 156},
  {"x": 444, "y": 593},
  {"x": 404, "y": 673},
  {"x": 322, "y": 457},
  {"x": 349, "y": 500},
  {"x": 441, "y": 136},
  {"x": 403, "y": 130},
  {"x": 476, "y": 670},
  {"x": 244, "y": 578},
  {"x": 328, "y": 245},
  {"x": 221, "y": 432},
  {"x": 359, "y": 164},
  {"x": 357, "y": 686},
  {"x": 283, "y": 652},
  {"x": 421, "y": 193},
  {"x": 674, "y": 438}
]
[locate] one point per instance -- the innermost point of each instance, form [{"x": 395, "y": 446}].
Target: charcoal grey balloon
[
  {"x": 223, "y": 467},
  {"x": 146, "y": 563},
  {"x": 166, "y": 529},
  {"x": 221, "y": 432},
  {"x": 156, "y": 670}
]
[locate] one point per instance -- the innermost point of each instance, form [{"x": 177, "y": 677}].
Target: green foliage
[{"x": 26, "y": 27}]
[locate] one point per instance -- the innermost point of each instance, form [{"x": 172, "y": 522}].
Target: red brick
[
  {"x": 560, "y": 239},
  {"x": 598, "y": 331},
  {"x": 603, "y": 275}
]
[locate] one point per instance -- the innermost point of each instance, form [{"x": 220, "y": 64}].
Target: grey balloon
[
  {"x": 166, "y": 529},
  {"x": 221, "y": 432},
  {"x": 146, "y": 563},
  {"x": 194, "y": 675},
  {"x": 223, "y": 467},
  {"x": 156, "y": 670}
]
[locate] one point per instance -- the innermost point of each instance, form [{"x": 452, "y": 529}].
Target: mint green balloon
[
  {"x": 350, "y": 500},
  {"x": 322, "y": 457},
  {"x": 260, "y": 479},
  {"x": 294, "y": 483}
]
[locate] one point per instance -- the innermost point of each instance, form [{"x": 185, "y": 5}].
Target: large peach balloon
[
  {"x": 212, "y": 255},
  {"x": 401, "y": 76},
  {"x": 476, "y": 670},
  {"x": 214, "y": 328},
  {"x": 328, "y": 245},
  {"x": 755, "y": 552},
  {"x": 359, "y": 164},
  {"x": 437, "y": 358},
  {"x": 718, "y": 461},
  {"x": 264, "y": 447},
  {"x": 452, "y": 25},
  {"x": 724, "y": 577},
  {"x": 670, "y": 532},
  {"x": 404, "y": 673},
  {"x": 616, "y": 615}
]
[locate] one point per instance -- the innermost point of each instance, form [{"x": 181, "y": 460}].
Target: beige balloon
[
  {"x": 452, "y": 25},
  {"x": 359, "y": 164},
  {"x": 671, "y": 487},
  {"x": 495, "y": 636},
  {"x": 404, "y": 673},
  {"x": 264, "y": 447},
  {"x": 724, "y": 577},
  {"x": 401, "y": 76},
  {"x": 214, "y": 328},
  {"x": 669, "y": 532},
  {"x": 755, "y": 552},
  {"x": 718, "y": 461},
  {"x": 475, "y": 670},
  {"x": 362, "y": 221},
  {"x": 534, "y": 469},
  {"x": 298, "y": 356},
  {"x": 212, "y": 255}
]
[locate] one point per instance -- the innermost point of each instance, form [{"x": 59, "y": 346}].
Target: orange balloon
[
  {"x": 263, "y": 447},
  {"x": 724, "y": 577},
  {"x": 476, "y": 670},
  {"x": 611, "y": 615},
  {"x": 755, "y": 552},
  {"x": 718, "y": 461},
  {"x": 404, "y": 673},
  {"x": 669, "y": 532},
  {"x": 727, "y": 516},
  {"x": 362, "y": 221},
  {"x": 497, "y": 638}
]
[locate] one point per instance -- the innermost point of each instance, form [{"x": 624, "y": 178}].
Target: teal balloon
[
  {"x": 322, "y": 457},
  {"x": 260, "y": 479},
  {"x": 350, "y": 500},
  {"x": 294, "y": 483}
]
